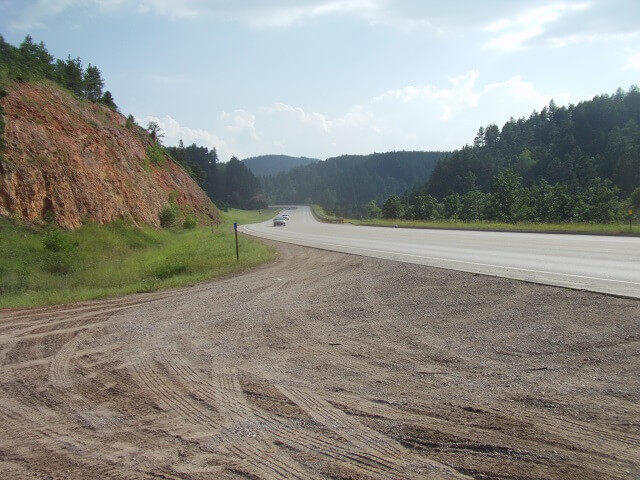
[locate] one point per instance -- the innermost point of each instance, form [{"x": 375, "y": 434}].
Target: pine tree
[
  {"x": 72, "y": 76},
  {"x": 107, "y": 99},
  {"x": 92, "y": 83}
]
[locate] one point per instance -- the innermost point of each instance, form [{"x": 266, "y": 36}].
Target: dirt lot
[{"x": 324, "y": 365}]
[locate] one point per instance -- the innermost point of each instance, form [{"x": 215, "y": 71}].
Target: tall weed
[{"x": 40, "y": 266}]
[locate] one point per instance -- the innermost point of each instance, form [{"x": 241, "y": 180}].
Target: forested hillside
[
  {"x": 574, "y": 163},
  {"x": 228, "y": 184},
  {"x": 345, "y": 184},
  {"x": 32, "y": 60},
  {"x": 264, "y": 165}
]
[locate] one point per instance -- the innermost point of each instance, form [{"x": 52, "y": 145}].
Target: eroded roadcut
[{"x": 325, "y": 365}]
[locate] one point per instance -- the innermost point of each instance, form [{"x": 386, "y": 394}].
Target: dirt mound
[{"x": 79, "y": 161}]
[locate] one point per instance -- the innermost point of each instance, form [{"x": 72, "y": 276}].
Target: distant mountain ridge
[
  {"x": 270, "y": 165},
  {"x": 345, "y": 184}
]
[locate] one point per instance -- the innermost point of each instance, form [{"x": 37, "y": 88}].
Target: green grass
[
  {"x": 592, "y": 228},
  {"x": 323, "y": 216},
  {"x": 45, "y": 265}
]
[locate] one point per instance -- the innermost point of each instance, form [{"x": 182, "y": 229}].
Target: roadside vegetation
[
  {"x": 618, "y": 228},
  {"x": 43, "y": 265},
  {"x": 323, "y": 216},
  {"x": 374, "y": 219}
]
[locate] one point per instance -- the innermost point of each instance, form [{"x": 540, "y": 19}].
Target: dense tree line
[
  {"x": 344, "y": 185},
  {"x": 265, "y": 165},
  {"x": 228, "y": 184},
  {"x": 575, "y": 163},
  {"x": 32, "y": 61},
  {"x": 508, "y": 200}
]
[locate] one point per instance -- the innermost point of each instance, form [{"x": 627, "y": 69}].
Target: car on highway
[
  {"x": 285, "y": 216},
  {"x": 279, "y": 222}
]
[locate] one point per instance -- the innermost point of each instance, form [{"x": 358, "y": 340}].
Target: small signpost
[
  {"x": 235, "y": 228},
  {"x": 630, "y": 217}
]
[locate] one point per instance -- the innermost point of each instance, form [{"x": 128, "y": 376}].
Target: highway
[{"x": 605, "y": 264}]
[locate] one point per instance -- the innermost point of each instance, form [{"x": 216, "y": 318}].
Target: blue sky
[{"x": 321, "y": 78}]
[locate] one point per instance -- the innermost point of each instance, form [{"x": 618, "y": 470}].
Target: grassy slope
[{"x": 101, "y": 261}]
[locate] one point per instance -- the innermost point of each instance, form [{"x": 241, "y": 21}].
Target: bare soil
[{"x": 324, "y": 365}]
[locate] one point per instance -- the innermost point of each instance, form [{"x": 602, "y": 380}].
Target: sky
[{"x": 322, "y": 78}]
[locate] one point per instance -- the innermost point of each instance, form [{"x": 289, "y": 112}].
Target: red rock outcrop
[{"x": 79, "y": 161}]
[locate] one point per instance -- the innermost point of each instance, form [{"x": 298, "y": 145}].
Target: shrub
[
  {"x": 392, "y": 207},
  {"x": 173, "y": 196},
  {"x": 170, "y": 269},
  {"x": 59, "y": 247},
  {"x": 190, "y": 222},
  {"x": 55, "y": 240},
  {"x": 169, "y": 215},
  {"x": 130, "y": 122},
  {"x": 59, "y": 263},
  {"x": 156, "y": 155}
]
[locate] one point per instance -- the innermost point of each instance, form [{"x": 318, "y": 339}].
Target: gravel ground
[{"x": 325, "y": 366}]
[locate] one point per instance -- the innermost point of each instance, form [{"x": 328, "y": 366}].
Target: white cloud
[
  {"x": 273, "y": 15},
  {"x": 512, "y": 25},
  {"x": 410, "y": 118},
  {"x": 240, "y": 120},
  {"x": 310, "y": 119},
  {"x": 174, "y": 132},
  {"x": 169, "y": 8},
  {"x": 514, "y": 33},
  {"x": 431, "y": 118},
  {"x": 33, "y": 13},
  {"x": 633, "y": 62},
  {"x": 450, "y": 100},
  {"x": 516, "y": 89}
]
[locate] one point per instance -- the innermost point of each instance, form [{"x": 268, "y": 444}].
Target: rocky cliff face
[{"x": 79, "y": 161}]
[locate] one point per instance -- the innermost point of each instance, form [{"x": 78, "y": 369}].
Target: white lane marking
[{"x": 336, "y": 245}]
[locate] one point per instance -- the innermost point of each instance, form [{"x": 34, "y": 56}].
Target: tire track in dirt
[
  {"x": 225, "y": 391},
  {"x": 582, "y": 436},
  {"x": 259, "y": 457},
  {"x": 384, "y": 450},
  {"x": 80, "y": 445},
  {"x": 168, "y": 397},
  {"x": 315, "y": 348},
  {"x": 84, "y": 453},
  {"x": 59, "y": 366},
  {"x": 324, "y": 365}
]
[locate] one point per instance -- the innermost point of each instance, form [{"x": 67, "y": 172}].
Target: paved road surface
[{"x": 603, "y": 264}]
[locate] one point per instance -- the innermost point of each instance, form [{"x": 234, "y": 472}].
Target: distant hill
[
  {"x": 265, "y": 165},
  {"x": 347, "y": 183},
  {"x": 569, "y": 145},
  {"x": 575, "y": 163}
]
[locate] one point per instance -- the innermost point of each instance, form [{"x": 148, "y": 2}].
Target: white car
[{"x": 279, "y": 222}]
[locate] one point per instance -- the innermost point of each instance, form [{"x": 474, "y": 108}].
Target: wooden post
[{"x": 235, "y": 228}]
